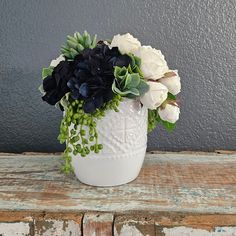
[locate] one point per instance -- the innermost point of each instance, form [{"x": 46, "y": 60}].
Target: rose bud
[
  {"x": 126, "y": 43},
  {"x": 155, "y": 96},
  {"x": 153, "y": 64},
  {"x": 170, "y": 112},
  {"x": 172, "y": 81}
]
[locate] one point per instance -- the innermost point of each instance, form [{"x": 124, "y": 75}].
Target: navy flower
[
  {"x": 94, "y": 74},
  {"x": 88, "y": 77},
  {"x": 55, "y": 85}
]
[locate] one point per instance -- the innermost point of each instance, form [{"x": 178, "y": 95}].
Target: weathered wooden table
[{"x": 176, "y": 194}]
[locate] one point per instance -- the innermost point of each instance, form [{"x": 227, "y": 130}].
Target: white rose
[
  {"x": 172, "y": 81},
  {"x": 55, "y": 62},
  {"x": 153, "y": 64},
  {"x": 155, "y": 96},
  {"x": 169, "y": 113},
  {"x": 126, "y": 43}
]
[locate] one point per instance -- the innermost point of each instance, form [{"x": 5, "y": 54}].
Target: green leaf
[
  {"x": 85, "y": 33},
  {"x": 115, "y": 89},
  {"x": 134, "y": 91},
  {"x": 128, "y": 80},
  {"x": 65, "y": 101},
  {"x": 64, "y": 49},
  {"x": 137, "y": 61},
  {"x": 72, "y": 39},
  {"x": 131, "y": 96},
  {"x": 72, "y": 44},
  {"x": 143, "y": 87},
  {"x": 79, "y": 47},
  {"x": 171, "y": 96},
  {"x": 153, "y": 119},
  {"x": 87, "y": 41},
  {"x": 117, "y": 70},
  {"x": 68, "y": 55},
  {"x": 41, "y": 89},
  {"x": 135, "y": 79},
  {"x": 78, "y": 36},
  {"x": 73, "y": 52},
  {"x": 169, "y": 126},
  {"x": 47, "y": 71},
  {"x": 94, "y": 41},
  {"x": 130, "y": 70},
  {"x": 133, "y": 64},
  {"x": 125, "y": 93},
  {"x": 118, "y": 91},
  {"x": 137, "y": 70},
  {"x": 120, "y": 72}
]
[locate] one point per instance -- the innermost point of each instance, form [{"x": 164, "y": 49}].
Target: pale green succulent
[
  {"x": 128, "y": 84},
  {"x": 77, "y": 43}
]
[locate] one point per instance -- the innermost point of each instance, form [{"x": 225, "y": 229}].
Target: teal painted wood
[{"x": 203, "y": 183}]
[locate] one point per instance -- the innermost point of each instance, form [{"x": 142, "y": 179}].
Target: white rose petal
[
  {"x": 153, "y": 64},
  {"x": 155, "y": 96},
  {"x": 126, "y": 43},
  {"x": 170, "y": 113},
  {"x": 55, "y": 62},
  {"x": 172, "y": 82}
]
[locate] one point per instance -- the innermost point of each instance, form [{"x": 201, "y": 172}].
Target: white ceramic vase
[{"x": 123, "y": 135}]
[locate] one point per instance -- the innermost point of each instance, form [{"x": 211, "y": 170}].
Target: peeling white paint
[
  {"x": 57, "y": 228},
  {"x": 14, "y": 229},
  {"x": 130, "y": 230},
  {"x": 184, "y": 231}
]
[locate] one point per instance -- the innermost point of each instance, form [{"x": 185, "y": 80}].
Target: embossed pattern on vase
[{"x": 123, "y": 132}]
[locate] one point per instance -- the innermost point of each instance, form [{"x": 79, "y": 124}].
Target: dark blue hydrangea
[
  {"x": 94, "y": 75},
  {"x": 55, "y": 85},
  {"x": 88, "y": 77}
]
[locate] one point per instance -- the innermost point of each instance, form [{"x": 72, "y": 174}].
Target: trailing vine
[{"x": 79, "y": 130}]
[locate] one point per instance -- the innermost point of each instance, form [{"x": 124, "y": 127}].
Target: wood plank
[
  {"x": 40, "y": 223},
  {"x": 12, "y": 229},
  {"x": 174, "y": 223},
  {"x": 50, "y": 227},
  {"x": 160, "y": 224},
  {"x": 134, "y": 225},
  {"x": 98, "y": 224},
  {"x": 176, "y": 182}
]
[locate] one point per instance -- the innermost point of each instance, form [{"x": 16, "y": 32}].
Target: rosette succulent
[
  {"x": 77, "y": 43},
  {"x": 127, "y": 84}
]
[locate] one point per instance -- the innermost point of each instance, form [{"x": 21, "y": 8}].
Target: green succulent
[
  {"x": 135, "y": 64},
  {"x": 128, "y": 84},
  {"x": 77, "y": 43}
]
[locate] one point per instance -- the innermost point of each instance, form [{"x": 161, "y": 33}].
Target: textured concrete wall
[{"x": 197, "y": 37}]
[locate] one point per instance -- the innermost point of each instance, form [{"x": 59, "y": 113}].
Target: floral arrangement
[{"x": 91, "y": 77}]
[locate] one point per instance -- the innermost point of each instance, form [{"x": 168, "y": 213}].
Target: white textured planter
[{"x": 124, "y": 138}]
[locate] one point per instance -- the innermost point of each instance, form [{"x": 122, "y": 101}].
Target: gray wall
[{"x": 197, "y": 37}]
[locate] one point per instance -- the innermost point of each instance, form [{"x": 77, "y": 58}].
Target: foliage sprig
[
  {"x": 129, "y": 81},
  {"x": 154, "y": 118},
  {"x": 85, "y": 139},
  {"x": 77, "y": 43}
]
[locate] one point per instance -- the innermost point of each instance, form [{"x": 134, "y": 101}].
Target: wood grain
[
  {"x": 174, "y": 182},
  {"x": 134, "y": 225},
  {"x": 98, "y": 224}
]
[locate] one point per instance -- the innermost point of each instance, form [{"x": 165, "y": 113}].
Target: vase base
[{"x": 107, "y": 172}]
